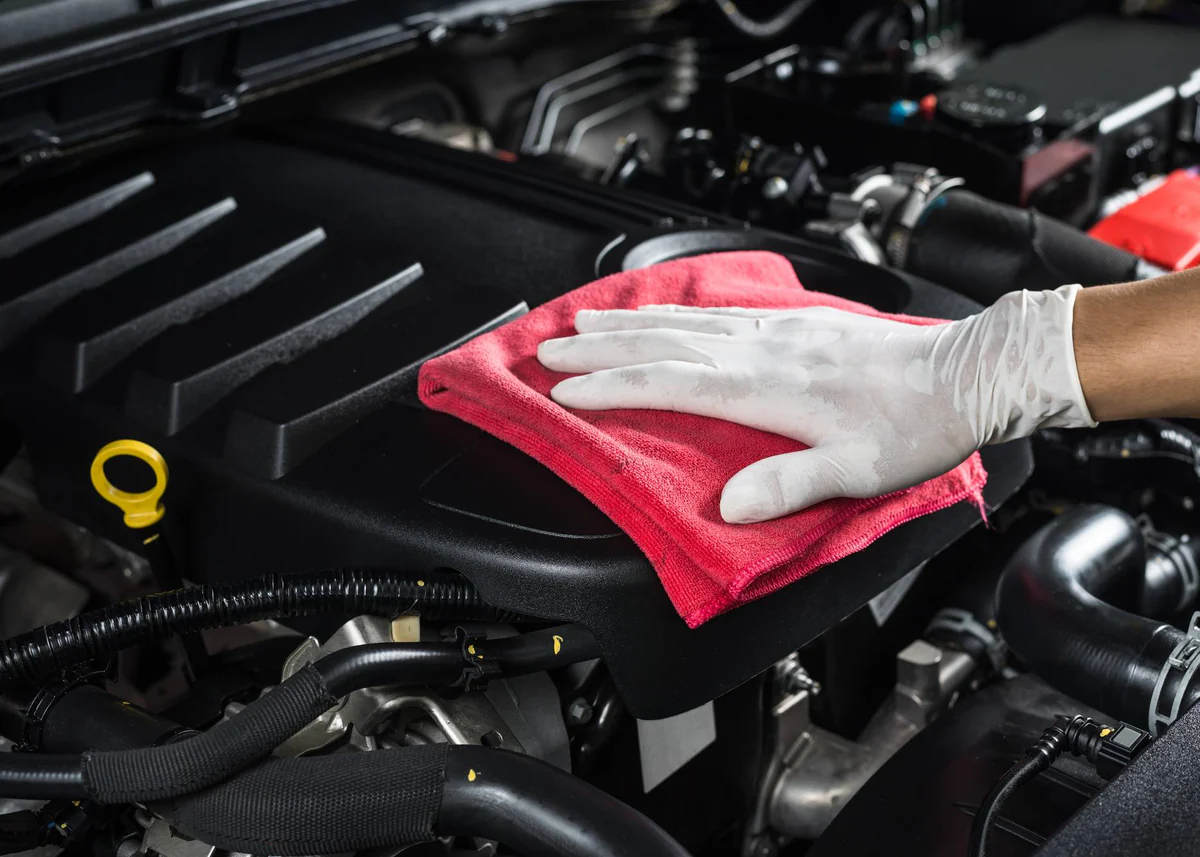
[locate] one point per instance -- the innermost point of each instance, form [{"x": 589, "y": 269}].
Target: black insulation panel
[{"x": 256, "y": 307}]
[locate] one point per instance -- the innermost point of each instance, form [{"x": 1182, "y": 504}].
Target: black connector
[
  {"x": 1119, "y": 745},
  {"x": 1108, "y": 748}
]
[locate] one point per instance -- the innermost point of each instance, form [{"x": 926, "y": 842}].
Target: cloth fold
[{"x": 658, "y": 474}]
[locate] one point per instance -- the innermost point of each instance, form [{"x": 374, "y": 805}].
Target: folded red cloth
[{"x": 659, "y": 474}]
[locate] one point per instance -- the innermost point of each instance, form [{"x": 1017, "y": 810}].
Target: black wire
[
  {"x": 1078, "y": 735},
  {"x": 1017, "y": 776},
  {"x": 40, "y": 655},
  {"x": 767, "y": 29}
]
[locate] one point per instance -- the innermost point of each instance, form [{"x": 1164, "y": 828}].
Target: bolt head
[
  {"x": 579, "y": 712},
  {"x": 774, "y": 187}
]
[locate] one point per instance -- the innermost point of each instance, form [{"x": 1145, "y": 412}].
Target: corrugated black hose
[
  {"x": 196, "y": 763},
  {"x": 40, "y": 655}
]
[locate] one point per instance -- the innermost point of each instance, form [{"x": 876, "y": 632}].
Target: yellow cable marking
[
  {"x": 1105, "y": 732},
  {"x": 471, "y": 775},
  {"x": 420, "y": 583},
  {"x": 471, "y": 648},
  {"x": 153, "y": 538},
  {"x": 557, "y": 644}
]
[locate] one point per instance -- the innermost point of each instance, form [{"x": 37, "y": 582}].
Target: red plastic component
[
  {"x": 928, "y": 105},
  {"x": 1162, "y": 227}
]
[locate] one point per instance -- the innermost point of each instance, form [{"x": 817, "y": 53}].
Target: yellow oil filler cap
[{"x": 142, "y": 509}]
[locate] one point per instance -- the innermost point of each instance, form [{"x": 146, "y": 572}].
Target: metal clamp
[
  {"x": 924, "y": 189},
  {"x": 1184, "y": 659},
  {"x": 955, "y": 620},
  {"x": 1180, "y": 557}
]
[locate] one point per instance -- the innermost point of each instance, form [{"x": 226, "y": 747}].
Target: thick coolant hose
[
  {"x": 392, "y": 797},
  {"x": 196, "y": 763},
  {"x": 541, "y": 811},
  {"x": 985, "y": 249},
  {"x": 1056, "y": 609},
  {"x": 40, "y": 655}
]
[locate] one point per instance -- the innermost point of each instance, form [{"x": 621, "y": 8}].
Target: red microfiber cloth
[{"x": 658, "y": 474}]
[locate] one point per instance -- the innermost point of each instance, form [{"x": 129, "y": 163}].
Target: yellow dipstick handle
[{"x": 141, "y": 509}]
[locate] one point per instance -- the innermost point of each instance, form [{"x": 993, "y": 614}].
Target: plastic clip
[
  {"x": 1183, "y": 661},
  {"x": 477, "y": 669}
]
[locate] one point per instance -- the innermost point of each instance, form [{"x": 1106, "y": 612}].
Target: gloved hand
[{"x": 883, "y": 405}]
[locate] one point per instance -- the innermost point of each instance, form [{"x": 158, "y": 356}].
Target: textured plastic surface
[
  {"x": 923, "y": 800},
  {"x": 72, "y": 71},
  {"x": 1162, "y": 227},
  {"x": 312, "y": 453}
]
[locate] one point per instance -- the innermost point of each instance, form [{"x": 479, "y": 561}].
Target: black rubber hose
[
  {"x": 196, "y": 763},
  {"x": 774, "y": 26},
  {"x": 345, "y": 802},
  {"x": 29, "y": 776},
  {"x": 536, "y": 651},
  {"x": 985, "y": 249},
  {"x": 40, "y": 655},
  {"x": 541, "y": 811},
  {"x": 1056, "y": 606},
  {"x": 443, "y": 663},
  {"x": 392, "y": 797}
]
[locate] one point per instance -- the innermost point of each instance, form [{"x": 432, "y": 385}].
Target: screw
[
  {"x": 774, "y": 187},
  {"x": 438, "y": 34},
  {"x": 794, "y": 678},
  {"x": 579, "y": 712}
]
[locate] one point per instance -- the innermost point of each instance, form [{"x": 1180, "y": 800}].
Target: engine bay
[{"x": 277, "y": 606}]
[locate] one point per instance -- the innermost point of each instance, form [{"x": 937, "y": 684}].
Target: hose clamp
[
  {"x": 958, "y": 622},
  {"x": 925, "y": 188},
  {"x": 46, "y": 698},
  {"x": 1179, "y": 555},
  {"x": 1183, "y": 663},
  {"x": 477, "y": 669}
]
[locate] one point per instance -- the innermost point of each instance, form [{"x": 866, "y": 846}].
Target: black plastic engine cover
[{"x": 256, "y": 308}]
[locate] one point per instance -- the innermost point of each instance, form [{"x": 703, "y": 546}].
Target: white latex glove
[{"x": 884, "y": 405}]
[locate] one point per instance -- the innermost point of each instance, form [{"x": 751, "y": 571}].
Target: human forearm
[{"x": 1137, "y": 347}]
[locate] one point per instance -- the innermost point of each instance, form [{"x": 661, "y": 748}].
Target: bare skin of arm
[{"x": 1137, "y": 347}]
